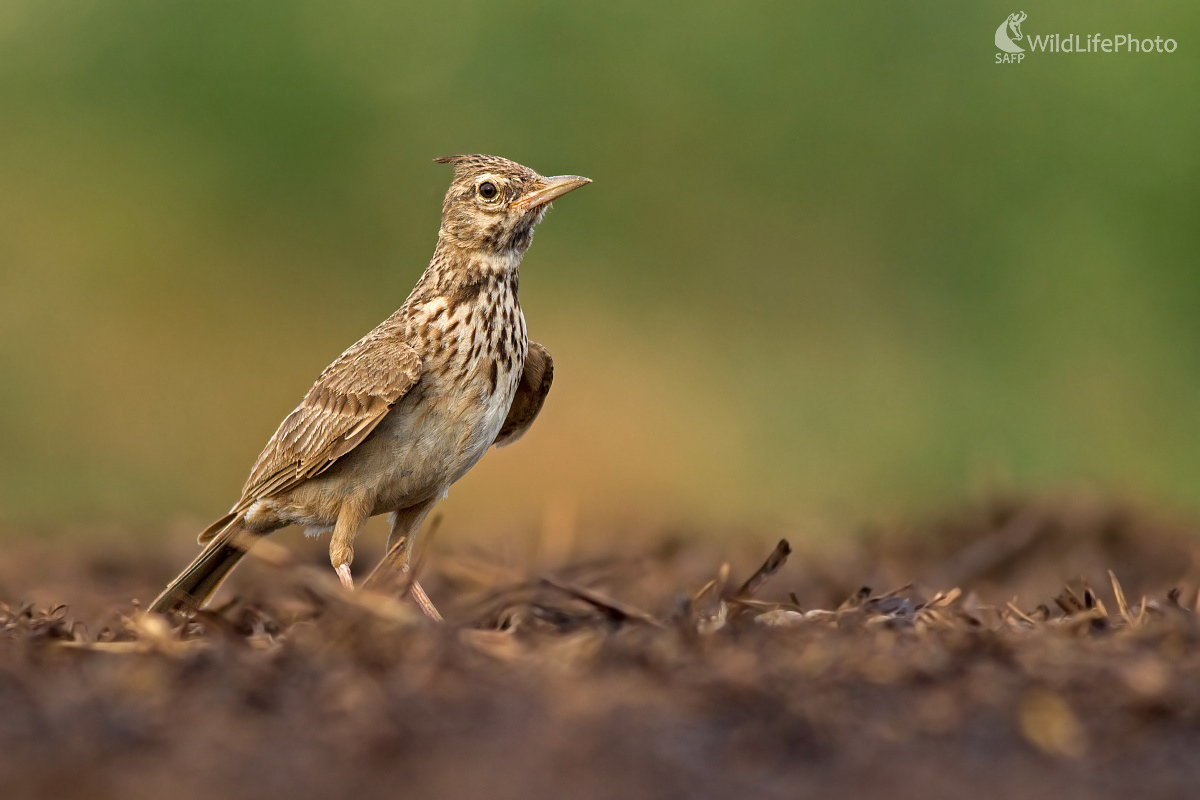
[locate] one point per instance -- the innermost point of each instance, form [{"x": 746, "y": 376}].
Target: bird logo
[{"x": 1003, "y": 40}]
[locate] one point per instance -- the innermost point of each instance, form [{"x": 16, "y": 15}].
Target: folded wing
[
  {"x": 531, "y": 395},
  {"x": 351, "y": 397}
]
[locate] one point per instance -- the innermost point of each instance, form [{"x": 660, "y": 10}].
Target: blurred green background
[{"x": 835, "y": 259}]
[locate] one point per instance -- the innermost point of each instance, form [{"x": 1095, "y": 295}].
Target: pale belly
[{"x": 422, "y": 447}]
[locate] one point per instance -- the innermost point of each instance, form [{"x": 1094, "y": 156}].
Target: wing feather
[
  {"x": 351, "y": 397},
  {"x": 530, "y": 397}
]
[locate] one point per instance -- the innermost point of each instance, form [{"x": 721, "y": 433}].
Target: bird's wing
[
  {"x": 531, "y": 395},
  {"x": 350, "y": 398}
]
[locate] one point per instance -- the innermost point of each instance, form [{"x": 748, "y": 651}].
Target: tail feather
[
  {"x": 209, "y": 533},
  {"x": 196, "y": 585}
]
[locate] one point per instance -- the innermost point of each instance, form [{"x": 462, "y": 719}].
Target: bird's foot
[{"x": 343, "y": 573}]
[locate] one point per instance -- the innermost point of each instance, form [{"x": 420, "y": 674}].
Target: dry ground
[{"x": 657, "y": 673}]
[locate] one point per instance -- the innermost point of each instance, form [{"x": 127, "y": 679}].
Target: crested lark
[{"x": 411, "y": 406}]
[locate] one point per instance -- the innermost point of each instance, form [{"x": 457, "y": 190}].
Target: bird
[{"x": 410, "y": 407}]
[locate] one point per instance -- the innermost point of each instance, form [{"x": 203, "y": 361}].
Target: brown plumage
[
  {"x": 414, "y": 404},
  {"x": 531, "y": 393}
]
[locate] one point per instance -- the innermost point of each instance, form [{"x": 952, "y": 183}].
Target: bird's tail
[{"x": 196, "y": 585}]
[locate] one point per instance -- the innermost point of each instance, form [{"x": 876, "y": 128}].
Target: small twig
[
  {"x": 1122, "y": 606},
  {"x": 1012, "y": 606},
  {"x": 705, "y": 589},
  {"x": 614, "y": 610},
  {"x": 1070, "y": 602},
  {"x": 772, "y": 565}
]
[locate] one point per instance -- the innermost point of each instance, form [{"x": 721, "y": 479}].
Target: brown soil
[{"x": 657, "y": 674}]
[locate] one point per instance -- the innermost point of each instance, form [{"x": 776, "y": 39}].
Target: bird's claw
[{"x": 343, "y": 573}]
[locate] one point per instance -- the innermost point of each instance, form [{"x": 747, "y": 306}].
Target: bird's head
[{"x": 494, "y": 204}]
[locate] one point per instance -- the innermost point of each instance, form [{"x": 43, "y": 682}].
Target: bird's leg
[
  {"x": 404, "y": 532},
  {"x": 405, "y": 524},
  {"x": 423, "y": 602},
  {"x": 350, "y": 521}
]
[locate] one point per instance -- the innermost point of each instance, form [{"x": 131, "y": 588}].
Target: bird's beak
[{"x": 552, "y": 188}]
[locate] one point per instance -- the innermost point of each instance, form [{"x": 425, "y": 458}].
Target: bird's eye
[{"x": 487, "y": 190}]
